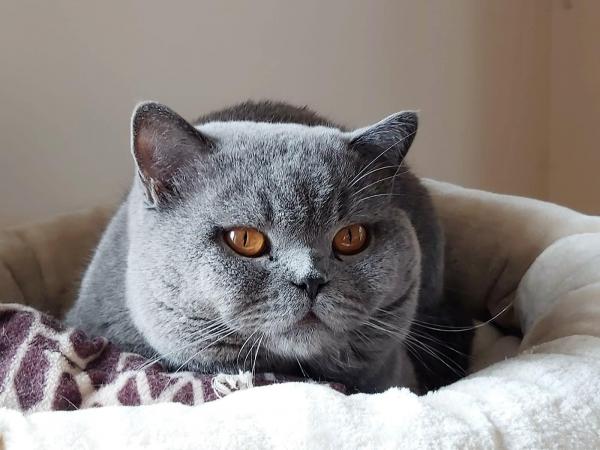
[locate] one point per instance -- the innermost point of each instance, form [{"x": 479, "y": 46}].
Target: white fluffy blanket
[{"x": 547, "y": 396}]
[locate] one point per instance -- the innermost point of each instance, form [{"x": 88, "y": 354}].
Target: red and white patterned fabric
[{"x": 46, "y": 366}]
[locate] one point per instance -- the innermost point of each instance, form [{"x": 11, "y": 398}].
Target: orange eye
[
  {"x": 246, "y": 241},
  {"x": 350, "y": 240}
]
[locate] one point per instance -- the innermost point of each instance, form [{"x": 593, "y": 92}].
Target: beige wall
[
  {"x": 72, "y": 71},
  {"x": 574, "y": 165}
]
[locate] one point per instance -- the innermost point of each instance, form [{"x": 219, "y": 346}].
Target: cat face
[{"x": 297, "y": 294}]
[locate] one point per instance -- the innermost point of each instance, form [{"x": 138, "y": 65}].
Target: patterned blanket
[{"x": 47, "y": 366}]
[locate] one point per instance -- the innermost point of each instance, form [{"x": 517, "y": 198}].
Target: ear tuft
[
  {"x": 393, "y": 135},
  {"x": 165, "y": 148}
]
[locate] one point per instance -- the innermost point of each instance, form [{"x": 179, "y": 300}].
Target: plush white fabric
[
  {"x": 568, "y": 266},
  {"x": 546, "y": 398}
]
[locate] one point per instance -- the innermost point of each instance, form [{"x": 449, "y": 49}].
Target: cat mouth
[
  {"x": 310, "y": 319},
  {"x": 308, "y": 325}
]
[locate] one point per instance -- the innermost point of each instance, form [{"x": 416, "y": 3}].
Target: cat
[{"x": 266, "y": 237}]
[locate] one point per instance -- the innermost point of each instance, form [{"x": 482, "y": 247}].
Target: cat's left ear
[
  {"x": 165, "y": 147},
  {"x": 391, "y": 138}
]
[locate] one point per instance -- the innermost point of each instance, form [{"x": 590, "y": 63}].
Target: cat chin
[{"x": 303, "y": 341}]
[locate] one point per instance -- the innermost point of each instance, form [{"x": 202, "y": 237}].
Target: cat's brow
[
  {"x": 343, "y": 205},
  {"x": 265, "y": 206}
]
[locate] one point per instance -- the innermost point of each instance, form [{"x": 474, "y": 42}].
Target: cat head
[{"x": 274, "y": 235}]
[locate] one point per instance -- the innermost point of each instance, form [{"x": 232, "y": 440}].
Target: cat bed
[{"x": 535, "y": 263}]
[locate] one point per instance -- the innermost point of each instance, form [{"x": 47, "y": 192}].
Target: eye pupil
[
  {"x": 246, "y": 241},
  {"x": 350, "y": 240}
]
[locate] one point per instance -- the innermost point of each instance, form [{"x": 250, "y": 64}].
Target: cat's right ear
[{"x": 164, "y": 146}]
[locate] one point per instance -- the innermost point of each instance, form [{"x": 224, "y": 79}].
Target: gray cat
[{"x": 267, "y": 237}]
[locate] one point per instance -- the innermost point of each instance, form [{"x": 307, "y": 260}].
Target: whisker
[
  {"x": 249, "y": 353},
  {"x": 301, "y": 368},
  {"x": 387, "y": 194},
  {"x": 450, "y": 329},
  {"x": 412, "y": 339},
  {"x": 381, "y": 154},
  {"x": 363, "y": 337},
  {"x": 212, "y": 328},
  {"x": 414, "y": 352},
  {"x": 256, "y": 355},
  {"x": 432, "y": 351},
  {"x": 436, "y": 354},
  {"x": 438, "y": 342},
  {"x": 396, "y": 335},
  {"x": 203, "y": 349},
  {"x": 375, "y": 182},
  {"x": 172, "y": 378},
  {"x": 402, "y": 163},
  {"x": 237, "y": 359},
  {"x": 370, "y": 172}
]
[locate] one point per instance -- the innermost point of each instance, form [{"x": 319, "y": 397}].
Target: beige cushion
[{"x": 41, "y": 263}]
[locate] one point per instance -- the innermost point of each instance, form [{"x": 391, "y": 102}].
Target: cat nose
[{"x": 312, "y": 285}]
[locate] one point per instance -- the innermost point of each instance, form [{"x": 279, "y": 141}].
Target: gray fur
[{"x": 163, "y": 282}]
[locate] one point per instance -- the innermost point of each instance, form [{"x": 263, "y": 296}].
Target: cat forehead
[{"x": 246, "y": 131}]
